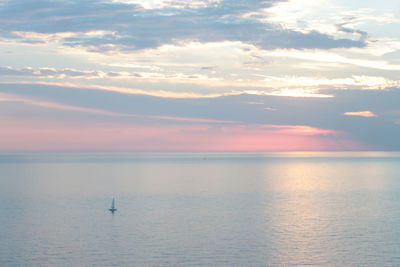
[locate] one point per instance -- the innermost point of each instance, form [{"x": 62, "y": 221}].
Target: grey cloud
[
  {"x": 113, "y": 74},
  {"x": 136, "y": 28},
  {"x": 6, "y": 71},
  {"x": 342, "y": 27},
  {"x": 50, "y": 72},
  {"x": 208, "y": 68},
  {"x": 77, "y": 73},
  {"x": 46, "y": 72}
]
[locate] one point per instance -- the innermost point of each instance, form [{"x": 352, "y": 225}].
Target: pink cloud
[
  {"x": 300, "y": 130},
  {"x": 52, "y": 136},
  {"x": 366, "y": 114}
]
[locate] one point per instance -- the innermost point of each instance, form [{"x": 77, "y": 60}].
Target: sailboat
[{"x": 113, "y": 209}]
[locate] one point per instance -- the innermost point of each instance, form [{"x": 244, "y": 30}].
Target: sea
[{"x": 200, "y": 209}]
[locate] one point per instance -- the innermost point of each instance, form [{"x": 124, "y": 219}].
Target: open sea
[{"x": 200, "y": 209}]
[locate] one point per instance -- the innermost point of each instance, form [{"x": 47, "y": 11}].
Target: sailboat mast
[{"x": 112, "y": 209}]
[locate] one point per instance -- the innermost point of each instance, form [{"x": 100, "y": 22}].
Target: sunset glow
[
  {"x": 52, "y": 136},
  {"x": 199, "y": 75}
]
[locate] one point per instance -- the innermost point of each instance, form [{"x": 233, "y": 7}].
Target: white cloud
[
  {"x": 303, "y": 16},
  {"x": 159, "y": 4},
  {"x": 57, "y": 37},
  {"x": 331, "y": 57},
  {"x": 353, "y": 82}
]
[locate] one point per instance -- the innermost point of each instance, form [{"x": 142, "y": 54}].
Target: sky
[{"x": 199, "y": 75}]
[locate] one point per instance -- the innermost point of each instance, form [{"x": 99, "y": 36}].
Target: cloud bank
[{"x": 109, "y": 26}]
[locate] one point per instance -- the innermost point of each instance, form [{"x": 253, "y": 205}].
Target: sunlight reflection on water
[{"x": 191, "y": 209}]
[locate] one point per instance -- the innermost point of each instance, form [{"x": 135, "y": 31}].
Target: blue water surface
[{"x": 200, "y": 209}]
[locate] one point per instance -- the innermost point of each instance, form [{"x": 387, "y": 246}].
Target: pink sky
[{"x": 52, "y": 136}]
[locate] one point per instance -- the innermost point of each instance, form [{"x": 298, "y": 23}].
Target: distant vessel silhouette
[{"x": 113, "y": 209}]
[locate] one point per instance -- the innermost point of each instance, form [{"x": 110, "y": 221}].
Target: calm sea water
[{"x": 276, "y": 209}]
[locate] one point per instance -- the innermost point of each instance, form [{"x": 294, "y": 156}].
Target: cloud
[
  {"x": 361, "y": 82},
  {"x": 23, "y": 135},
  {"x": 54, "y": 105},
  {"x": 209, "y": 87},
  {"x": 366, "y": 114},
  {"x": 300, "y": 130},
  {"x": 342, "y": 27},
  {"x": 101, "y": 26},
  {"x": 65, "y": 107},
  {"x": 85, "y": 74},
  {"x": 331, "y": 57},
  {"x": 54, "y": 73},
  {"x": 124, "y": 90},
  {"x": 278, "y": 114},
  {"x": 159, "y": 4}
]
